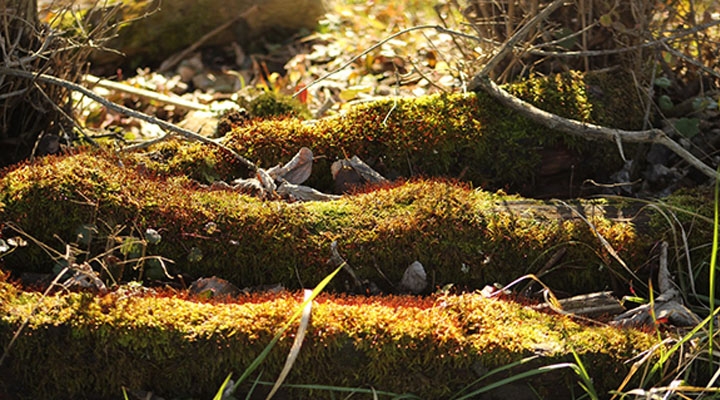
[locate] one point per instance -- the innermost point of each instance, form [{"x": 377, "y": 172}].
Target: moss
[
  {"x": 197, "y": 161},
  {"x": 604, "y": 98},
  {"x": 469, "y": 136},
  {"x": 82, "y": 346},
  {"x": 467, "y": 237},
  {"x": 270, "y": 104}
]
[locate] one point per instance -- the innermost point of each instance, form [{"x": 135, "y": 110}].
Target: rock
[
  {"x": 213, "y": 287},
  {"x": 414, "y": 279}
]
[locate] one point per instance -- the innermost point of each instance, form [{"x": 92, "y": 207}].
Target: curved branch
[
  {"x": 124, "y": 110},
  {"x": 569, "y": 126}
]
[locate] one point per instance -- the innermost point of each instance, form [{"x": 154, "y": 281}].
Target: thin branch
[
  {"x": 124, "y": 110},
  {"x": 481, "y": 81},
  {"x": 594, "y": 53},
  {"x": 590, "y": 131},
  {"x": 148, "y": 94},
  {"x": 509, "y": 44},
  {"x": 380, "y": 43}
]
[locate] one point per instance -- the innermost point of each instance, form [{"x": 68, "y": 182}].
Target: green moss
[
  {"x": 467, "y": 237},
  {"x": 469, "y": 136},
  {"x": 197, "y": 161},
  {"x": 271, "y": 104},
  {"x": 83, "y": 346}
]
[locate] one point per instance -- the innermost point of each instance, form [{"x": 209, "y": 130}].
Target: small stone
[
  {"x": 414, "y": 279},
  {"x": 213, "y": 287}
]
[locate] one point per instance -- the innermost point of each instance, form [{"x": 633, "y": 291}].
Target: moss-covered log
[
  {"x": 80, "y": 346},
  {"x": 462, "y": 236},
  {"x": 469, "y": 137}
]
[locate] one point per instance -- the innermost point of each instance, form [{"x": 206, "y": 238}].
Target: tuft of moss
[
  {"x": 273, "y": 105},
  {"x": 84, "y": 346},
  {"x": 197, "y": 161}
]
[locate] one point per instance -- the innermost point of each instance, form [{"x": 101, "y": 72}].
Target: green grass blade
[
  {"x": 221, "y": 390},
  {"x": 254, "y": 385},
  {"x": 263, "y": 355},
  {"x": 520, "y": 376},
  {"x": 342, "y": 389},
  {"x": 586, "y": 383},
  {"x": 713, "y": 264},
  {"x": 495, "y": 371}
]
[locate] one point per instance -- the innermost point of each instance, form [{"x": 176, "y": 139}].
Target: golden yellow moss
[{"x": 82, "y": 346}]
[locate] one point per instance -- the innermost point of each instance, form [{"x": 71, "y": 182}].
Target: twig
[
  {"x": 573, "y": 127},
  {"x": 124, "y": 110},
  {"x": 590, "y": 131},
  {"x": 512, "y": 41},
  {"x": 148, "y": 94},
  {"x": 692, "y": 61},
  {"x": 380, "y": 43},
  {"x": 594, "y": 53}
]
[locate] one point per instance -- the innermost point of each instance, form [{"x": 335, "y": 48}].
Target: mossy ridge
[
  {"x": 469, "y": 135},
  {"x": 461, "y": 236},
  {"x": 85, "y": 346}
]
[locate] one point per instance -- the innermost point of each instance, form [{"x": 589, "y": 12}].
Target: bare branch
[
  {"x": 590, "y": 131},
  {"x": 124, "y": 110},
  {"x": 552, "y": 121}
]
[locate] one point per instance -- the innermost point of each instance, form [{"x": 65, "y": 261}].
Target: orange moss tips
[
  {"x": 501, "y": 332},
  {"x": 382, "y": 341}
]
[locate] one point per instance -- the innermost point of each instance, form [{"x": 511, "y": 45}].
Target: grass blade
[
  {"x": 297, "y": 344},
  {"x": 263, "y": 355}
]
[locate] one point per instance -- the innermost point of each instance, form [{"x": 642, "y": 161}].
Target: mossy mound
[
  {"x": 80, "y": 346},
  {"x": 467, "y": 136},
  {"x": 467, "y": 237}
]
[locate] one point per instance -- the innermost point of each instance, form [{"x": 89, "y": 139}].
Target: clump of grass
[{"x": 684, "y": 365}]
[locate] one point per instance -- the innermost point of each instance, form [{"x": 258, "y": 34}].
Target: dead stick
[
  {"x": 124, "y": 110},
  {"x": 552, "y": 121},
  {"x": 591, "y": 131},
  {"x": 512, "y": 41},
  {"x": 148, "y": 94}
]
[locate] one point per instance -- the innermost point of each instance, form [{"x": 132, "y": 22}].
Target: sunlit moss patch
[
  {"x": 463, "y": 236},
  {"x": 81, "y": 346}
]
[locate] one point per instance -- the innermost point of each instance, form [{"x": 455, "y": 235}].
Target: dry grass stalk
[{"x": 35, "y": 116}]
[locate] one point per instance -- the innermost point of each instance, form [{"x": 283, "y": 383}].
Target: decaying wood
[
  {"x": 668, "y": 307},
  {"x": 590, "y": 305}
]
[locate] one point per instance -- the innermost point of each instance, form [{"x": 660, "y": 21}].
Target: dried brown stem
[{"x": 124, "y": 110}]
